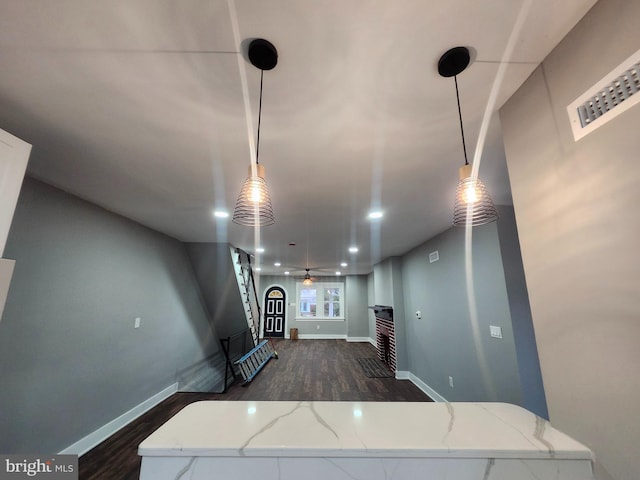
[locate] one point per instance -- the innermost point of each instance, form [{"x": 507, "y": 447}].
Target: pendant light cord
[
  {"x": 260, "y": 117},
  {"x": 464, "y": 146}
]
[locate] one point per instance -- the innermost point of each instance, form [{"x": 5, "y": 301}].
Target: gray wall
[
  {"x": 533, "y": 397},
  {"x": 357, "y": 312},
  {"x": 70, "y": 359},
  {"x": 217, "y": 279},
  {"x": 576, "y": 209},
  {"x": 447, "y": 341},
  {"x": 383, "y": 284}
]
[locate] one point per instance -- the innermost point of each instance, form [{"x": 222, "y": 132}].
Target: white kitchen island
[{"x": 360, "y": 440}]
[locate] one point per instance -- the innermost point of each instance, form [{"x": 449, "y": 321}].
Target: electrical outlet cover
[{"x": 496, "y": 332}]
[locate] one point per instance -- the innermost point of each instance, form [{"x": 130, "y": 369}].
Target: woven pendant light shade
[
  {"x": 473, "y": 205},
  {"x": 253, "y": 207}
]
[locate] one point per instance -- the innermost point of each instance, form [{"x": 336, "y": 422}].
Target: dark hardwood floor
[{"x": 305, "y": 370}]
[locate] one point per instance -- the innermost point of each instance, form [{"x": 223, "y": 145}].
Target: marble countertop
[{"x": 360, "y": 429}]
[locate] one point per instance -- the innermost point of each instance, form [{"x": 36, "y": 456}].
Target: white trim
[
  {"x": 435, "y": 396},
  {"x": 320, "y": 302},
  {"x": 85, "y": 444},
  {"x": 358, "y": 339},
  {"x": 314, "y": 319},
  {"x": 321, "y": 336},
  {"x": 14, "y": 156},
  {"x": 373, "y": 342},
  {"x": 286, "y": 306},
  {"x": 406, "y": 375}
]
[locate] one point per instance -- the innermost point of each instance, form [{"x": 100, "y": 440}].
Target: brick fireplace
[{"x": 385, "y": 336}]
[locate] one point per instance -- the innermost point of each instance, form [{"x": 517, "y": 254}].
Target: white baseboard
[
  {"x": 334, "y": 336},
  {"x": 373, "y": 342},
  {"x": 321, "y": 336},
  {"x": 402, "y": 375},
  {"x": 85, "y": 444},
  {"x": 435, "y": 396}
]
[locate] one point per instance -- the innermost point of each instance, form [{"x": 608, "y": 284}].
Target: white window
[{"x": 320, "y": 301}]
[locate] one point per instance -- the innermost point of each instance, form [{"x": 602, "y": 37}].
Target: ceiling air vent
[{"x": 615, "y": 93}]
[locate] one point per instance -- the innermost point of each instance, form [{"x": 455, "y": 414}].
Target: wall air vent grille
[
  {"x": 614, "y": 94},
  {"x": 611, "y": 96}
]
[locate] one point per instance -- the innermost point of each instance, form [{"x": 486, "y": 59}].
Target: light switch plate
[{"x": 496, "y": 332}]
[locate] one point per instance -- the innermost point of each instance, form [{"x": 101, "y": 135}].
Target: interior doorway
[{"x": 275, "y": 301}]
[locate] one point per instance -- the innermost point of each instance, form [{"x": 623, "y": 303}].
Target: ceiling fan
[
  {"x": 304, "y": 273},
  {"x": 314, "y": 273}
]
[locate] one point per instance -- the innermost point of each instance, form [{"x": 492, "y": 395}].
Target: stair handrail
[
  {"x": 255, "y": 294},
  {"x": 249, "y": 283}
]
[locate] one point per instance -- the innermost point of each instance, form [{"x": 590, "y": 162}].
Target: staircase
[{"x": 244, "y": 275}]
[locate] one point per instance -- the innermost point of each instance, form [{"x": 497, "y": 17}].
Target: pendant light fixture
[
  {"x": 307, "y": 278},
  {"x": 253, "y": 207},
  {"x": 473, "y": 205}
]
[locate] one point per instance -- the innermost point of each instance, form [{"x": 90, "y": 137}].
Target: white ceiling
[{"x": 138, "y": 106}]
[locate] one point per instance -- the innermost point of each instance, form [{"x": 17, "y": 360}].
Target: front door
[{"x": 274, "y": 312}]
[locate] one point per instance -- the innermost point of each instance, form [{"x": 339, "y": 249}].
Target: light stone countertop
[{"x": 360, "y": 429}]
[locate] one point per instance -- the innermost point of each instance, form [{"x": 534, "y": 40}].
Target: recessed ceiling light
[
  {"x": 221, "y": 214},
  {"x": 260, "y": 250},
  {"x": 286, "y": 273},
  {"x": 375, "y": 215},
  {"x": 277, "y": 264},
  {"x": 353, "y": 249},
  {"x": 343, "y": 264},
  {"x": 258, "y": 269},
  {"x": 338, "y": 273}
]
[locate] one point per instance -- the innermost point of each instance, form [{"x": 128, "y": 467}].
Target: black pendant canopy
[
  {"x": 263, "y": 54},
  {"x": 454, "y": 61}
]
